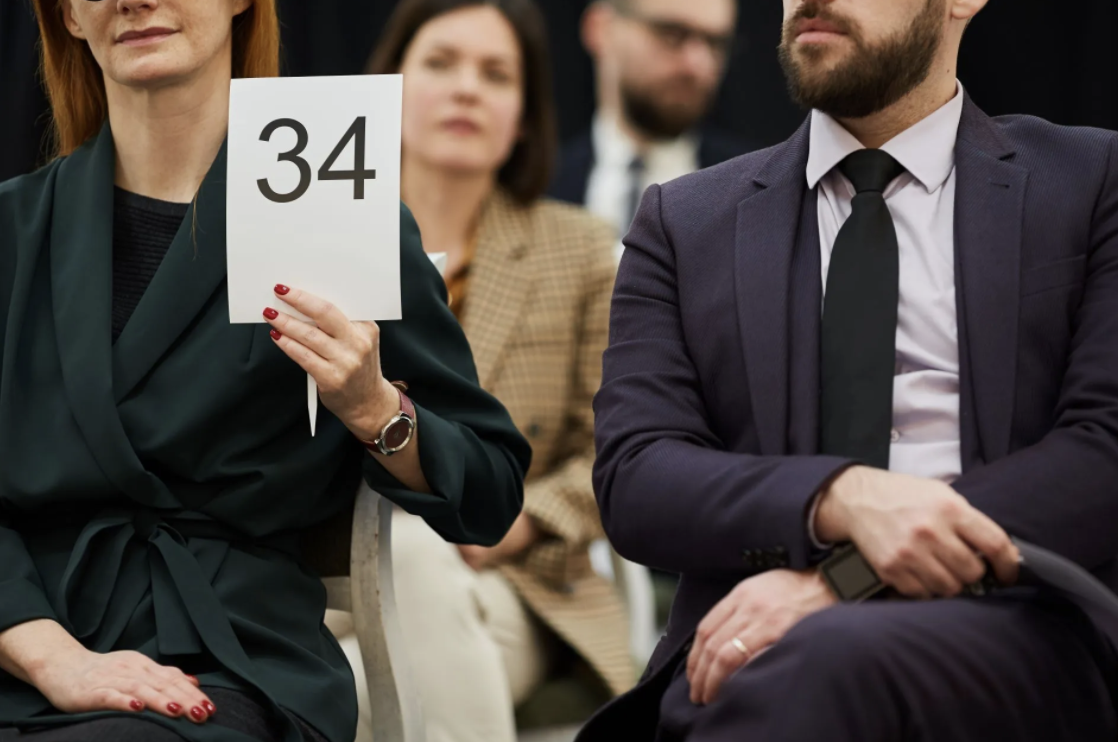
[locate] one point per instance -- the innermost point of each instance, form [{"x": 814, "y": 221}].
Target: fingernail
[
  {"x": 282, "y": 290},
  {"x": 136, "y": 705},
  {"x": 209, "y": 707},
  {"x": 270, "y": 313},
  {"x": 198, "y": 713},
  {"x": 192, "y": 679},
  {"x": 174, "y": 708},
  {"x": 276, "y": 334}
]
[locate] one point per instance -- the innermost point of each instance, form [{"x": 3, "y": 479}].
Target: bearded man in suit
[{"x": 895, "y": 333}]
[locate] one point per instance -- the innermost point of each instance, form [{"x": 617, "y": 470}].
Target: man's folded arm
[
  {"x": 1062, "y": 492},
  {"x": 670, "y": 495}
]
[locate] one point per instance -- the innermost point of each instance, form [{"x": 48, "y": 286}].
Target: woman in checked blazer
[{"x": 530, "y": 280}]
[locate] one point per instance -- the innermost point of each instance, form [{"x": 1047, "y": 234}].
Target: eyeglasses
[{"x": 676, "y": 36}]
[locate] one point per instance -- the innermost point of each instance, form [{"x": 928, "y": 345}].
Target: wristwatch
[
  {"x": 852, "y": 579},
  {"x": 398, "y": 433},
  {"x": 850, "y": 576}
]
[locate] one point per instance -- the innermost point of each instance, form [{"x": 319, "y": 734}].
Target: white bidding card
[{"x": 313, "y": 195}]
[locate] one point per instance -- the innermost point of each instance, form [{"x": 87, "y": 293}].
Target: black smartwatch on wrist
[
  {"x": 850, "y": 576},
  {"x": 852, "y": 579}
]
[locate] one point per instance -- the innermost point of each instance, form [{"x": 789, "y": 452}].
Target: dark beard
[
  {"x": 874, "y": 77},
  {"x": 656, "y": 121}
]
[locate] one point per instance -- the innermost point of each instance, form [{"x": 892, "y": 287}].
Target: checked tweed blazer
[{"x": 537, "y": 319}]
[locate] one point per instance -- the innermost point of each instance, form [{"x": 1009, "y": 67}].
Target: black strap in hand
[{"x": 858, "y": 338}]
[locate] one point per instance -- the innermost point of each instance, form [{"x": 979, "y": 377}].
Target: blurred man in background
[{"x": 659, "y": 65}]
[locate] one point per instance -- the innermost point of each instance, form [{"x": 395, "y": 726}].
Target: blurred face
[
  {"x": 148, "y": 43},
  {"x": 854, "y": 58},
  {"x": 463, "y": 91},
  {"x": 670, "y": 56}
]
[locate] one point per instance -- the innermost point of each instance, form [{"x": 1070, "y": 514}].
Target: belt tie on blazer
[{"x": 121, "y": 553}]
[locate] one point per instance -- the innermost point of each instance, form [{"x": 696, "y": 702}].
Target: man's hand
[
  {"x": 758, "y": 613},
  {"x": 520, "y": 537},
  {"x": 921, "y": 537}
]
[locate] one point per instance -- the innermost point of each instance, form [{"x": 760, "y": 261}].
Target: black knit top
[{"x": 143, "y": 229}]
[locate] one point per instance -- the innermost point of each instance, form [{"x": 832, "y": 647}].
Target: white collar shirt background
[
  {"x": 610, "y": 186},
  {"x": 925, "y": 435}
]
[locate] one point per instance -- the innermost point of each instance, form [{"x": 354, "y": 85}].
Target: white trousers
[{"x": 475, "y": 650}]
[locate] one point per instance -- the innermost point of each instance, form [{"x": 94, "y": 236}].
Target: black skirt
[{"x": 235, "y": 711}]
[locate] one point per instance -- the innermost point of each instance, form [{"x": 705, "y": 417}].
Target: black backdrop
[{"x": 1055, "y": 60}]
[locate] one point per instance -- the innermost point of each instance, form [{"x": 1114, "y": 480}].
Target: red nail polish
[
  {"x": 270, "y": 313},
  {"x": 276, "y": 334},
  {"x": 282, "y": 290},
  {"x": 174, "y": 708},
  {"x": 209, "y": 707},
  {"x": 136, "y": 705},
  {"x": 192, "y": 679},
  {"x": 198, "y": 713}
]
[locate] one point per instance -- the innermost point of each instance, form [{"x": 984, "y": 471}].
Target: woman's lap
[
  {"x": 235, "y": 711},
  {"x": 101, "y": 730}
]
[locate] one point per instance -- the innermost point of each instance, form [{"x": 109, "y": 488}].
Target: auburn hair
[{"x": 76, "y": 85}]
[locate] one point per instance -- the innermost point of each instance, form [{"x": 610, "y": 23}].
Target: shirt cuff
[{"x": 821, "y": 546}]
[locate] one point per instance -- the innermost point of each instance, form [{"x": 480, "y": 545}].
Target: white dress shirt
[
  {"x": 925, "y": 435},
  {"x": 609, "y": 188}
]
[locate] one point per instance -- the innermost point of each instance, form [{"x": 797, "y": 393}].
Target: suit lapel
[
  {"x": 989, "y": 211},
  {"x": 81, "y": 294},
  {"x": 768, "y": 222},
  {"x": 192, "y": 270},
  {"x": 500, "y": 280},
  {"x": 806, "y": 317}
]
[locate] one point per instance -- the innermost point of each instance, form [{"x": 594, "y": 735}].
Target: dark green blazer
[{"x": 153, "y": 491}]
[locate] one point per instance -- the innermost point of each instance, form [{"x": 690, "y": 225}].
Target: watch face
[
  {"x": 854, "y": 577},
  {"x": 850, "y": 576},
  {"x": 397, "y": 434}
]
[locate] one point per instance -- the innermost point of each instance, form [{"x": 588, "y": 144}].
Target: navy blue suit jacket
[{"x": 707, "y": 419}]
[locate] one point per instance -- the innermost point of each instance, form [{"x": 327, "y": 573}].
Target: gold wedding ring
[{"x": 740, "y": 646}]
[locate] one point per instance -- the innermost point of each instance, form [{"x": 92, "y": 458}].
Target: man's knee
[
  {"x": 841, "y": 648},
  {"x": 831, "y": 676}
]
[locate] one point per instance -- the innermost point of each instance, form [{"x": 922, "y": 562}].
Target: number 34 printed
[{"x": 358, "y": 174}]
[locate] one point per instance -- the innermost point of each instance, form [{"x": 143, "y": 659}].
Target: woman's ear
[
  {"x": 71, "y": 21},
  {"x": 240, "y": 6}
]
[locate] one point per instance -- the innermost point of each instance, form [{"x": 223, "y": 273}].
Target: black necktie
[{"x": 858, "y": 337}]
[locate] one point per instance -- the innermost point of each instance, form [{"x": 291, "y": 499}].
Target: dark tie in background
[{"x": 859, "y": 331}]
